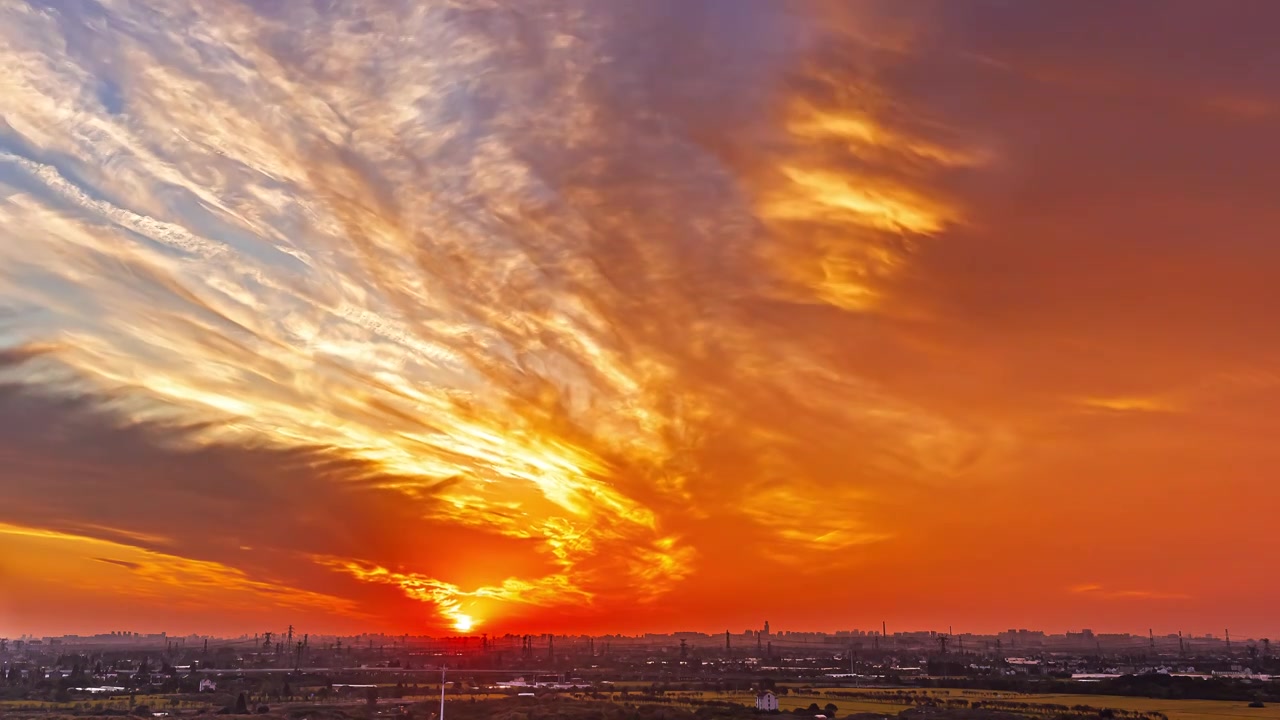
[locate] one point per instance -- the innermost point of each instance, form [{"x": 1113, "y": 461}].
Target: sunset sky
[{"x": 604, "y": 316}]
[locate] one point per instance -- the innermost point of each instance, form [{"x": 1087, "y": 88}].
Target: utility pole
[
  {"x": 1152, "y": 634},
  {"x": 1228, "y": 631},
  {"x": 726, "y": 641},
  {"x": 441, "y": 716}
]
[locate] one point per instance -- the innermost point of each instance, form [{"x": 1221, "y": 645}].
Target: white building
[
  {"x": 207, "y": 685},
  {"x": 767, "y": 701}
]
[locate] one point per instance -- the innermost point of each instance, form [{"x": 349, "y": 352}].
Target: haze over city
[{"x": 586, "y": 317}]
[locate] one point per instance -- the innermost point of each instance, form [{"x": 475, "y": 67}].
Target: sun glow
[{"x": 463, "y": 623}]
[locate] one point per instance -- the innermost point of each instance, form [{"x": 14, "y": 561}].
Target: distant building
[
  {"x": 207, "y": 685},
  {"x": 767, "y": 701}
]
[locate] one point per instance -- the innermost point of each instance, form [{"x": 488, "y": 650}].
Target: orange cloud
[
  {"x": 88, "y": 564},
  {"x": 557, "y": 318},
  {"x": 1098, "y": 591}
]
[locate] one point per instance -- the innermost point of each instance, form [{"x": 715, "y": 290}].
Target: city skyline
[
  {"x": 586, "y": 317},
  {"x": 752, "y": 637}
]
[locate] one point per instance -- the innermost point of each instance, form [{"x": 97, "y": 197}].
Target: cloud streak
[
  {"x": 413, "y": 255},
  {"x": 557, "y": 311}
]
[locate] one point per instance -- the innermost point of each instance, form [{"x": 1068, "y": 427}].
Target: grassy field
[
  {"x": 1174, "y": 709},
  {"x": 799, "y": 698}
]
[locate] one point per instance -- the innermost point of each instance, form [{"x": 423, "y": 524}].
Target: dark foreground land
[{"x": 559, "y": 708}]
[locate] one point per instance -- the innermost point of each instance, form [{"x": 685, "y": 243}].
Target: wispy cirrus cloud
[
  {"x": 1099, "y": 591},
  {"x": 632, "y": 301},
  {"x": 443, "y": 275},
  {"x": 152, "y": 577}
]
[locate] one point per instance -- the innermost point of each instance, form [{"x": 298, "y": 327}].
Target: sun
[{"x": 463, "y": 623}]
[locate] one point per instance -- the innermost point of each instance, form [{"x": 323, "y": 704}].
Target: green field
[
  {"x": 797, "y": 697},
  {"x": 1174, "y": 709}
]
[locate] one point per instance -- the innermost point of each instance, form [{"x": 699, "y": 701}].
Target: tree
[
  {"x": 242, "y": 705},
  {"x": 830, "y": 710},
  {"x": 371, "y": 696}
]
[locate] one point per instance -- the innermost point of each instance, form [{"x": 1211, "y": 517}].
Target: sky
[{"x": 591, "y": 316}]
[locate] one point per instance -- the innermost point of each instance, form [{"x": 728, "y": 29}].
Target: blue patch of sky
[{"x": 110, "y": 95}]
